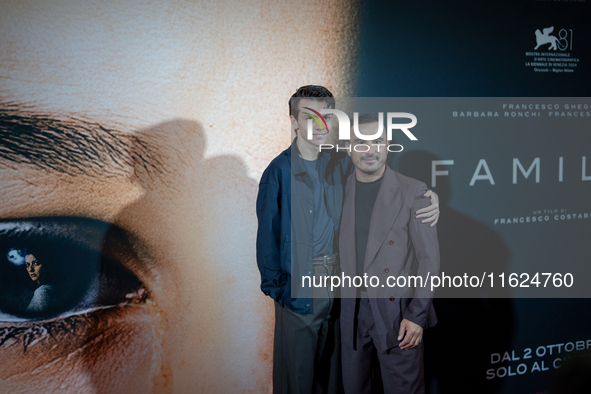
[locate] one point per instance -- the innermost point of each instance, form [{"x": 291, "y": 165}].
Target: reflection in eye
[{"x": 57, "y": 266}]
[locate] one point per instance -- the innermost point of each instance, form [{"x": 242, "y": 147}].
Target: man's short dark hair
[
  {"x": 310, "y": 92},
  {"x": 368, "y": 118}
]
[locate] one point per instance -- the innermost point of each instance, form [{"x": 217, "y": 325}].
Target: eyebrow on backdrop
[{"x": 75, "y": 147}]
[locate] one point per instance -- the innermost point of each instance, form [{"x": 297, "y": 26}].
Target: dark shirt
[
  {"x": 365, "y": 199},
  {"x": 323, "y": 230},
  {"x": 285, "y": 212}
]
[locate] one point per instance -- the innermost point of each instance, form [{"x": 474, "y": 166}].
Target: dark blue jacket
[{"x": 285, "y": 217}]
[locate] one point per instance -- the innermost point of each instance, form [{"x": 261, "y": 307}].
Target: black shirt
[{"x": 365, "y": 199}]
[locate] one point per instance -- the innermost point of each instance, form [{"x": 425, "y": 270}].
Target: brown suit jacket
[{"x": 398, "y": 245}]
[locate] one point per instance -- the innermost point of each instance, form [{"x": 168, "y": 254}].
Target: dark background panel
[
  {"x": 466, "y": 48},
  {"x": 477, "y": 49}
]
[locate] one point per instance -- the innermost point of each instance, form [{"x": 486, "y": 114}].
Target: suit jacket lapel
[{"x": 386, "y": 209}]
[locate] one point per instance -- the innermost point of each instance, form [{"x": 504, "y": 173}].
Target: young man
[
  {"x": 299, "y": 210},
  {"x": 379, "y": 237}
]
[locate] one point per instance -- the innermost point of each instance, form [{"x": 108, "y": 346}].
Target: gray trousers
[
  {"x": 306, "y": 349},
  {"x": 401, "y": 370}
]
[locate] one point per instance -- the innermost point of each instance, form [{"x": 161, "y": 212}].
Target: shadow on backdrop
[{"x": 201, "y": 215}]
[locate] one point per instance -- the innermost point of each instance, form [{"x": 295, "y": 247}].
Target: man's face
[
  {"x": 368, "y": 157},
  {"x": 133, "y": 141},
  {"x": 320, "y": 131}
]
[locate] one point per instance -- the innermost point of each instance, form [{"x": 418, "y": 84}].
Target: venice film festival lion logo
[{"x": 556, "y": 43}]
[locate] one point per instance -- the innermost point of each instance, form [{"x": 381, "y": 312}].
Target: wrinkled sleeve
[
  {"x": 426, "y": 245},
  {"x": 268, "y": 246}
]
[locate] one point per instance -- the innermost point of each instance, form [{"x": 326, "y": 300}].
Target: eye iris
[{"x": 67, "y": 277}]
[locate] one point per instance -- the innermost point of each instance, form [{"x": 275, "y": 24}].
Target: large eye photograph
[{"x": 72, "y": 306}]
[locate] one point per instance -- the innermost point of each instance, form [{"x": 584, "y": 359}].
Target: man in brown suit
[{"x": 379, "y": 237}]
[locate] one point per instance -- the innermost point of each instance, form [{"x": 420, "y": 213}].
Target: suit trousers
[
  {"x": 401, "y": 370},
  {"x": 306, "y": 349}
]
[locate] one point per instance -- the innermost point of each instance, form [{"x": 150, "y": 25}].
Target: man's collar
[{"x": 297, "y": 167}]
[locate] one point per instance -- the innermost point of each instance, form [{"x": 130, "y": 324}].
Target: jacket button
[
  {"x": 391, "y": 242},
  {"x": 392, "y": 298},
  {"x": 386, "y": 270}
]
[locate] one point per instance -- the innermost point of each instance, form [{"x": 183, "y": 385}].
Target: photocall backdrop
[
  {"x": 133, "y": 137},
  {"x": 494, "y": 54}
]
